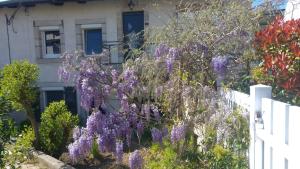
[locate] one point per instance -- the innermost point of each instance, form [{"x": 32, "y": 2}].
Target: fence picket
[
  {"x": 275, "y": 144},
  {"x": 294, "y": 136},
  {"x": 267, "y": 116}
]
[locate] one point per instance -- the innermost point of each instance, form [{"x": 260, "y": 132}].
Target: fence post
[{"x": 257, "y": 92}]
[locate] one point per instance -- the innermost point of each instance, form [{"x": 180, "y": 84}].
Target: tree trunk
[{"x": 35, "y": 127}]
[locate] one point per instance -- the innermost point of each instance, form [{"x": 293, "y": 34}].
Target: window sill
[{"x": 48, "y": 60}]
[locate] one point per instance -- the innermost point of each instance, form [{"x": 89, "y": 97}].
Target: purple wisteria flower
[
  {"x": 219, "y": 64},
  {"x": 74, "y": 151},
  {"x": 128, "y": 137},
  {"x": 91, "y": 124},
  {"x": 85, "y": 143},
  {"x": 178, "y": 133},
  {"x": 63, "y": 74},
  {"x": 146, "y": 111},
  {"x": 101, "y": 141},
  {"x": 174, "y": 53},
  {"x": 115, "y": 76},
  {"x": 135, "y": 160},
  {"x": 165, "y": 132},
  {"x": 169, "y": 64},
  {"x": 76, "y": 133},
  {"x": 161, "y": 50},
  {"x": 124, "y": 104},
  {"x": 157, "y": 135},
  {"x": 119, "y": 151},
  {"x": 106, "y": 90},
  {"x": 156, "y": 113}
]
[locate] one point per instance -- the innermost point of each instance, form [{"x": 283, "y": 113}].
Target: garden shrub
[
  {"x": 163, "y": 157},
  {"x": 57, "y": 123},
  {"x": 7, "y": 131},
  {"x": 20, "y": 151},
  {"x": 5, "y": 106},
  {"x": 279, "y": 46},
  {"x": 218, "y": 150}
]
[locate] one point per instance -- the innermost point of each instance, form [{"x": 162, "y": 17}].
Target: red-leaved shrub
[{"x": 279, "y": 45}]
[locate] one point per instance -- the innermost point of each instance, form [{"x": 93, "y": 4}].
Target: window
[
  {"x": 48, "y": 40},
  {"x": 93, "y": 41},
  {"x": 52, "y": 43},
  {"x": 54, "y": 94},
  {"x": 133, "y": 30}
]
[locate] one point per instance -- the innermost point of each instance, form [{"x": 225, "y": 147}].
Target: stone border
[{"x": 50, "y": 162}]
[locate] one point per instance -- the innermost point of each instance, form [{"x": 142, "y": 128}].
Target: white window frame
[
  {"x": 44, "y": 29},
  {"x": 89, "y": 27}
]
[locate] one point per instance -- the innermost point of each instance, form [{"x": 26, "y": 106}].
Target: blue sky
[{"x": 257, "y": 2}]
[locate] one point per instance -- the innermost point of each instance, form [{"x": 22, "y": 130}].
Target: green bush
[
  {"x": 228, "y": 153},
  {"x": 7, "y": 130},
  {"x": 18, "y": 152},
  {"x": 5, "y": 106},
  {"x": 56, "y": 128},
  {"x": 178, "y": 156},
  {"x": 165, "y": 157}
]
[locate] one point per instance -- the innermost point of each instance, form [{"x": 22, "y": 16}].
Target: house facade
[
  {"x": 42, "y": 30},
  {"x": 292, "y": 10}
]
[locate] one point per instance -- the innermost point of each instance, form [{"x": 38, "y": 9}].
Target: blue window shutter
[
  {"x": 71, "y": 99},
  {"x": 93, "y": 41}
]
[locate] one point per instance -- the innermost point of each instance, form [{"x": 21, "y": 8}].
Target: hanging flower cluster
[
  {"x": 106, "y": 129},
  {"x": 178, "y": 133},
  {"x": 136, "y": 160},
  {"x": 219, "y": 65}
]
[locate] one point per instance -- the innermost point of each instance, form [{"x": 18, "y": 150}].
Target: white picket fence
[{"x": 274, "y": 129}]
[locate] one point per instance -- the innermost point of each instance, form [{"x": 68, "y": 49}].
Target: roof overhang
[{"x": 31, "y": 3}]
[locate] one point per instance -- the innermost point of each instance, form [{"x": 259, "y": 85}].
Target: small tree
[{"x": 18, "y": 85}]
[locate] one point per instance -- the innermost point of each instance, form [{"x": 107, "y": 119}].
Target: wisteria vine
[{"x": 111, "y": 130}]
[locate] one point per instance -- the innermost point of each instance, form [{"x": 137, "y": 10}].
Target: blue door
[{"x": 133, "y": 29}]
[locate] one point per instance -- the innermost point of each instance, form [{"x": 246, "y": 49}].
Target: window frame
[
  {"x": 86, "y": 27},
  {"x": 43, "y": 31}
]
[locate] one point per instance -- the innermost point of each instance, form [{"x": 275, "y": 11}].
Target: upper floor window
[
  {"x": 52, "y": 44},
  {"x": 49, "y": 40},
  {"x": 93, "y": 41},
  {"x": 92, "y": 38}
]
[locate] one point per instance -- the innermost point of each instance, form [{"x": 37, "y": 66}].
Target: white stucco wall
[
  {"x": 22, "y": 38},
  {"x": 22, "y": 32},
  {"x": 292, "y": 10}
]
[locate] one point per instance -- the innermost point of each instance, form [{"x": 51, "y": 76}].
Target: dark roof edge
[{"x": 31, "y": 3}]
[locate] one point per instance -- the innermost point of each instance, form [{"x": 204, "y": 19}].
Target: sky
[{"x": 257, "y": 2}]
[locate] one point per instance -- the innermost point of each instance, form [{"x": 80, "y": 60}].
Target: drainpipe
[{"x": 8, "y": 38}]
